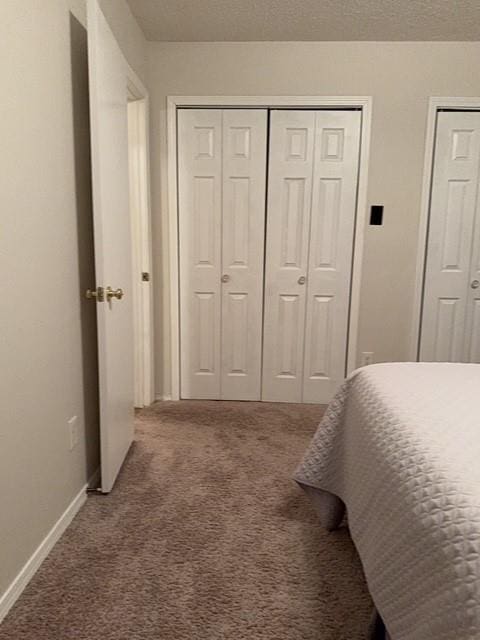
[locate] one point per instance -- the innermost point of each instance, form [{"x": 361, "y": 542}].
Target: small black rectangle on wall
[{"x": 376, "y": 214}]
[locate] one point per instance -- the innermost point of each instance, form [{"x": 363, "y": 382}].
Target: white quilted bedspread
[{"x": 400, "y": 444}]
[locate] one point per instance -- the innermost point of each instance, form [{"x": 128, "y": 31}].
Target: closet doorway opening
[{"x": 267, "y": 203}]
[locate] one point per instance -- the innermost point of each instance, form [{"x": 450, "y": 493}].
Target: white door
[
  {"x": 200, "y": 223},
  {"x": 142, "y": 285},
  {"x": 110, "y": 182},
  {"x": 292, "y": 135},
  {"x": 243, "y": 240},
  {"x": 451, "y": 303},
  {"x": 221, "y": 178},
  {"x": 313, "y": 174},
  {"x": 332, "y": 228}
]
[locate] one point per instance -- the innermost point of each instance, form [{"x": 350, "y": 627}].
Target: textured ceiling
[{"x": 243, "y": 20}]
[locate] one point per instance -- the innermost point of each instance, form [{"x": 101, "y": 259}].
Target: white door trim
[
  {"x": 175, "y": 102},
  {"x": 142, "y": 251},
  {"x": 434, "y": 104},
  {"x": 138, "y": 98}
]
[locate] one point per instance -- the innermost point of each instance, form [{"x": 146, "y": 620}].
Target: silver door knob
[
  {"x": 302, "y": 280},
  {"x": 225, "y": 277},
  {"x": 475, "y": 284}
]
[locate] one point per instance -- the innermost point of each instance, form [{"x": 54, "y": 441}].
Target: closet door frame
[
  {"x": 435, "y": 105},
  {"x": 171, "y": 238}
]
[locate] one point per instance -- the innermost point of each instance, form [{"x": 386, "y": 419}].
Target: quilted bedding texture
[{"x": 400, "y": 445}]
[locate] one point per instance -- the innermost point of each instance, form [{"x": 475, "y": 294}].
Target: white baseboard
[
  {"x": 13, "y": 592},
  {"x": 163, "y": 398}
]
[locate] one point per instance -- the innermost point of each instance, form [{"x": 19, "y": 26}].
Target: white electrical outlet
[
  {"x": 73, "y": 430},
  {"x": 367, "y": 358}
]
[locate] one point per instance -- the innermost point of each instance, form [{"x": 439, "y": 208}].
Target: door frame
[
  {"x": 435, "y": 104},
  {"x": 364, "y": 103},
  {"x": 141, "y": 217}
]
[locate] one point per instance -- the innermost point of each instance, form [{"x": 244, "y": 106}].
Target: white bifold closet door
[
  {"x": 451, "y": 302},
  {"x": 312, "y": 190},
  {"x": 221, "y": 169}
]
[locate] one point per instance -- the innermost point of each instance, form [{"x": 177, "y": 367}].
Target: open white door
[{"x": 113, "y": 263}]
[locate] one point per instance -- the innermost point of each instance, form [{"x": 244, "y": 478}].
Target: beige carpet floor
[{"x": 204, "y": 537}]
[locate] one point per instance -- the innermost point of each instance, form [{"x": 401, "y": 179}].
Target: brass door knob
[
  {"x": 225, "y": 278},
  {"x": 113, "y": 293},
  {"x": 302, "y": 280}
]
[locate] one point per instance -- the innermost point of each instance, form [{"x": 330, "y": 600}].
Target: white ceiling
[{"x": 251, "y": 20}]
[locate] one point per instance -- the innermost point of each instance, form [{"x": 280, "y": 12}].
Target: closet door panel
[
  {"x": 243, "y": 236},
  {"x": 334, "y": 199},
  {"x": 472, "y": 325},
  {"x": 288, "y": 227},
  {"x": 449, "y": 312},
  {"x": 200, "y": 212}
]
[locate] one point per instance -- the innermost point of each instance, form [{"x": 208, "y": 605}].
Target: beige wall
[
  {"x": 399, "y": 76},
  {"x": 47, "y": 330}
]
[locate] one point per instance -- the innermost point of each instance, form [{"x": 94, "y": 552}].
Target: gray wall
[
  {"x": 48, "y": 332},
  {"x": 399, "y": 76}
]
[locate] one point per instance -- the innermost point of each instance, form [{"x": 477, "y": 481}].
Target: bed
[{"x": 399, "y": 447}]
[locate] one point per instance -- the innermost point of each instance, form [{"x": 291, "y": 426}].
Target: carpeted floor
[{"x": 205, "y": 537}]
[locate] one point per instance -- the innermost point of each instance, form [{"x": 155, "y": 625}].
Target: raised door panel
[
  {"x": 292, "y": 136},
  {"x": 200, "y": 209},
  {"x": 448, "y": 302},
  {"x": 203, "y": 349},
  {"x": 243, "y": 237},
  {"x": 287, "y": 365},
  {"x": 318, "y": 362},
  {"x": 447, "y": 329},
  {"x": 452, "y": 254},
  {"x": 335, "y": 177},
  {"x": 473, "y": 335}
]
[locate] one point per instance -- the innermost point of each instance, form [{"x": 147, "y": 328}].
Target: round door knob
[
  {"x": 302, "y": 280},
  {"x": 475, "y": 284},
  {"x": 225, "y": 277},
  {"x": 114, "y": 293}
]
